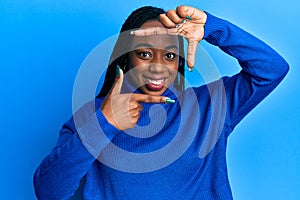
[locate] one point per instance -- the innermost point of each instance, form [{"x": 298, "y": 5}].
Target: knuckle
[
  {"x": 149, "y": 98},
  {"x": 137, "y": 115},
  {"x": 140, "y": 107},
  {"x": 135, "y": 106},
  {"x": 133, "y": 113},
  {"x": 132, "y": 101},
  {"x": 133, "y": 122},
  {"x": 170, "y": 12},
  {"x": 162, "y": 15},
  {"x": 130, "y": 96},
  {"x": 180, "y": 9}
]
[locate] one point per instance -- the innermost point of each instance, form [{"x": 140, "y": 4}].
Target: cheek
[
  {"x": 135, "y": 74},
  {"x": 173, "y": 68},
  {"x": 135, "y": 63}
]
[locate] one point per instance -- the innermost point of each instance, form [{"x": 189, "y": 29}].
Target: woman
[{"x": 147, "y": 137}]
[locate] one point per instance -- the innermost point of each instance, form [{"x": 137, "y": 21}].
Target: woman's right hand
[{"x": 123, "y": 110}]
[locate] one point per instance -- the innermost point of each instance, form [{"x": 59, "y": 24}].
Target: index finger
[
  {"x": 155, "y": 31},
  {"x": 151, "y": 99}
]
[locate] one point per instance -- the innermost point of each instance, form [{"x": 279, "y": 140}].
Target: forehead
[{"x": 155, "y": 41}]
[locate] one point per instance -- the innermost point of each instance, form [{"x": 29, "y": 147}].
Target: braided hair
[{"x": 135, "y": 20}]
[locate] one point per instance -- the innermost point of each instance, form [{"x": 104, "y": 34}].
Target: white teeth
[{"x": 155, "y": 82}]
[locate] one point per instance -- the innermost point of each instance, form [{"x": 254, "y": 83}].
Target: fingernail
[
  {"x": 190, "y": 69},
  {"x": 131, "y": 32},
  {"x": 188, "y": 17},
  {"x": 168, "y": 100},
  {"x": 118, "y": 71},
  {"x": 184, "y": 21}
]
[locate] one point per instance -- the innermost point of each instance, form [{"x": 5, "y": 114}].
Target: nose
[
  {"x": 157, "y": 68},
  {"x": 157, "y": 64}
]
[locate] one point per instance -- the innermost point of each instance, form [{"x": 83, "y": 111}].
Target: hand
[
  {"x": 123, "y": 110},
  {"x": 177, "y": 23}
]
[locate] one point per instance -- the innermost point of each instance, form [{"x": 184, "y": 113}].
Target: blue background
[{"x": 43, "y": 44}]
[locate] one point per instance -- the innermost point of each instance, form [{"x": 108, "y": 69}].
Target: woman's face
[{"x": 154, "y": 61}]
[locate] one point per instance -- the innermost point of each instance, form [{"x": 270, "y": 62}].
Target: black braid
[{"x": 118, "y": 57}]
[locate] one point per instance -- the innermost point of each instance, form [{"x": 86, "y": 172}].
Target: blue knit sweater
[{"x": 177, "y": 151}]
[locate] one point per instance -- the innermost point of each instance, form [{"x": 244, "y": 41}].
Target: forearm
[
  {"x": 262, "y": 67},
  {"x": 59, "y": 174},
  {"x": 256, "y": 58}
]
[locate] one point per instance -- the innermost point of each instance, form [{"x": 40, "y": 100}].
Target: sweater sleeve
[
  {"x": 262, "y": 67},
  {"x": 80, "y": 142}
]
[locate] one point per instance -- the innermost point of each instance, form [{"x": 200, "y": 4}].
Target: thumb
[
  {"x": 191, "y": 54},
  {"x": 116, "y": 88}
]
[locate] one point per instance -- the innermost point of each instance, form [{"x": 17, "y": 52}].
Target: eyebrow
[
  {"x": 171, "y": 47},
  {"x": 143, "y": 45},
  {"x": 146, "y": 45}
]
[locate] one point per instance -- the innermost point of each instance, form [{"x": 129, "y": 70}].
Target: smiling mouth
[{"x": 154, "y": 84}]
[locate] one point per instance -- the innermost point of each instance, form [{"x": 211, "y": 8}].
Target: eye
[
  {"x": 144, "y": 54},
  {"x": 170, "y": 56}
]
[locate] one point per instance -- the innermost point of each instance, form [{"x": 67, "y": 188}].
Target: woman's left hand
[{"x": 185, "y": 21}]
